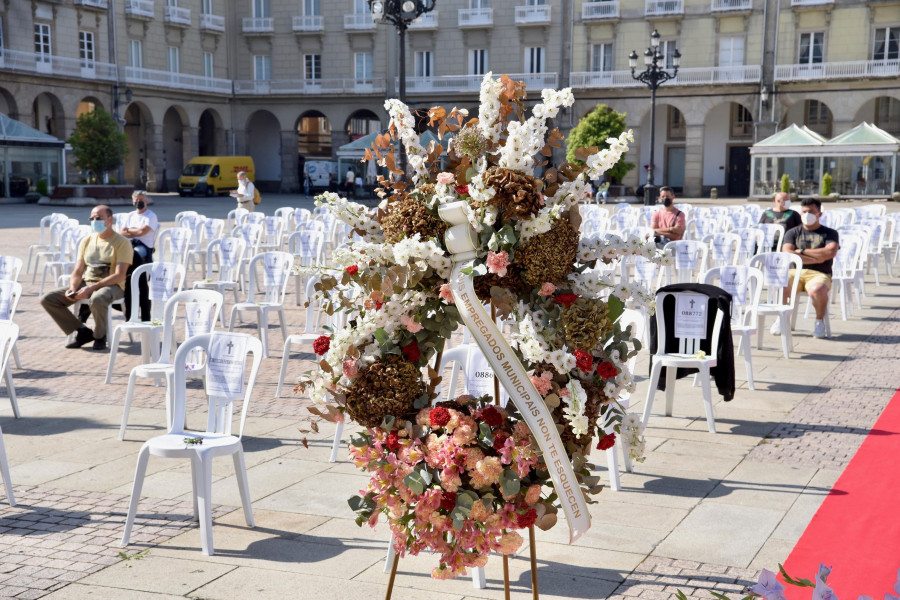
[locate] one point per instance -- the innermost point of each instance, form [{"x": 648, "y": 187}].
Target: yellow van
[{"x": 213, "y": 175}]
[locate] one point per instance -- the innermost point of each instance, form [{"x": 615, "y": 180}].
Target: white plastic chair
[
  {"x": 843, "y": 277},
  {"x": 688, "y": 261},
  {"x": 64, "y": 261},
  {"x": 10, "y": 267},
  {"x": 46, "y": 240},
  {"x": 745, "y": 286},
  {"x": 277, "y": 268},
  {"x": 307, "y": 246},
  {"x": 686, "y": 357},
  {"x": 10, "y": 294},
  {"x": 252, "y": 234},
  {"x": 877, "y": 254},
  {"x": 9, "y": 334},
  {"x": 185, "y": 215},
  {"x": 235, "y": 217},
  {"x": 227, "y": 252},
  {"x": 724, "y": 249},
  {"x": 211, "y": 229},
  {"x": 752, "y": 241},
  {"x": 774, "y": 236},
  {"x": 775, "y": 267},
  {"x": 254, "y": 218},
  {"x": 216, "y": 441},
  {"x": 173, "y": 245},
  {"x": 273, "y": 234},
  {"x": 50, "y": 251},
  {"x": 165, "y": 280},
  {"x": 312, "y": 329},
  {"x": 201, "y": 311}
]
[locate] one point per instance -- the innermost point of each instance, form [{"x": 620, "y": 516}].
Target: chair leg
[
  {"x": 612, "y": 462},
  {"x": 196, "y": 484},
  {"x": 748, "y": 359},
  {"x": 786, "y": 335},
  {"x": 15, "y": 353},
  {"x": 231, "y": 320},
  {"x": 336, "y": 444},
  {"x": 263, "y": 320},
  {"x": 671, "y": 372},
  {"x": 4, "y": 471},
  {"x": 129, "y": 394},
  {"x": 139, "y": 473},
  {"x": 707, "y": 398},
  {"x": 113, "y": 349},
  {"x": 281, "y": 318},
  {"x": 626, "y": 459},
  {"x": 843, "y": 293},
  {"x": 284, "y": 360},
  {"x": 11, "y": 391},
  {"x": 478, "y": 580},
  {"x": 204, "y": 504},
  {"x": 390, "y": 556},
  {"x": 240, "y": 472},
  {"x": 651, "y": 391},
  {"x": 760, "y": 328}
]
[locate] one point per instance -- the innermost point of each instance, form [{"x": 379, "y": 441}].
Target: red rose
[
  {"x": 322, "y": 344},
  {"x": 462, "y": 190},
  {"x": 567, "y": 299},
  {"x": 448, "y": 500},
  {"x": 352, "y": 269},
  {"x": 378, "y": 305},
  {"x": 393, "y": 441},
  {"x": 492, "y": 416},
  {"x": 438, "y": 417},
  {"x": 411, "y": 351},
  {"x": 500, "y": 440},
  {"x": 607, "y": 441},
  {"x": 606, "y": 370},
  {"x": 584, "y": 361},
  {"x": 527, "y": 519}
]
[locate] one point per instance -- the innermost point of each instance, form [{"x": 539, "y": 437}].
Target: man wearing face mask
[
  {"x": 781, "y": 214},
  {"x": 140, "y": 226},
  {"x": 99, "y": 278},
  {"x": 817, "y": 246},
  {"x": 668, "y": 222}
]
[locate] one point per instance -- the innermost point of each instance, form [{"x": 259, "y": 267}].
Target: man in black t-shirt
[
  {"x": 817, "y": 246},
  {"x": 781, "y": 215}
]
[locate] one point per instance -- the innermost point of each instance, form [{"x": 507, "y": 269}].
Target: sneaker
[
  {"x": 82, "y": 337},
  {"x": 100, "y": 344},
  {"x": 819, "y": 329},
  {"x": 776, "y": 327}
]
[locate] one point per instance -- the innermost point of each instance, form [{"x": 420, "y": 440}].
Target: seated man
[
  {"x": 668, "y": 223},
  {"x": 781, "y": 214},
  {"x": 140, "y": 228},
  {"x": 99, "y": 276},
  {"x": 817, "y": 245}
]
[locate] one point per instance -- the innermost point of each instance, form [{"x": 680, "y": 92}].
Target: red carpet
[{"x": 857, "y": 529}]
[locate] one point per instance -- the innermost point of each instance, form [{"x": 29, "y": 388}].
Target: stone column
[
  {"x": 192, "y": 145},
  {"x": 693, "y": 161},
  {"x": 290, "y": 181},
  {"x": 153, "y": 159},
  {"x": 338, "y": 139}
]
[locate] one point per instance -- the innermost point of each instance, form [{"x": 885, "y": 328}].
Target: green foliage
[
  {"x": 41, "y": 187},
  {"x": 786, "y": 184},
  {"x": 826, "y": 184},
  {"x": 97, "y": 143},
  {"x": 593, "y": 130}
]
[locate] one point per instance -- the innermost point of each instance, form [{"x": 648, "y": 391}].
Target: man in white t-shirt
[
  {"x": 244, "y": 192},
  {"x": 140, "y": 227}
]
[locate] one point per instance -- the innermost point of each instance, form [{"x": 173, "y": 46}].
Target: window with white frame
[
  {"x": 361, "y": 7},
  {"x": 534, "y": 60},
  {"x": 136, "y": 53},
  {"x": 206, "y": 7},
  {"x": 312, "y": 67},
  {"x": 602, "y": 57},
  {"x": 42, "y": 42},
  {"x": 262, "y": 67},
  {"x": 818, "y": 117},
  {"x": 312, "y": 8},
  {"x": 424, "y": 64},
  {"x": 173, "y": 59},
  {"x": 208, "y": 65},
  {"x": 172, "y": 3},
  {"x": 479, "y": 4},
  {"x": 363, "y": 65},
  {"x": 478, "y": 61},
  {"x": 86, "y": 49},
  {"x": 667, "y": 50},
  {"x": 741, "y": 121},
  {"x": 731, "y": 52},
  {"x": 262, "y": 9},
  {"x": 887, "y": 44},
  {"x": 811, "y": 49},
  {"x": 536, "y": 2}
]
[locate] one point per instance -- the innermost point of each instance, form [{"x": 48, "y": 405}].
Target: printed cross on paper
[{"x": 230, "y": 346}]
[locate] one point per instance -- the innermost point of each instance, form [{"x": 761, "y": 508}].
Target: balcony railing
[
  {"x": 310, "y": 86},
  {"x": 212, "y": 23},
  {"x": 533, "y": 15},
  {"x": 472, "y": 83},
  {"x": 476, "y": 17},
  {"x": 100, "y": 4},
  {"x": 660, "y": 8},
  {"x": 597, "y": 11},
  {"x": 308, "y": 23},
  {"x": 177, "y": 16},
  {"x": 359, "y": 21},
  {"x": 141, "y": 9},
  {"x": 686, "y": 76},
  {"x": 16, "y": 60},
  {"x": 730, "y": 5},
  {"x": 137, "y": 76},
  {"x": 838, "y": 70},
  {"x": 258, "y": 25},
  {"x": 810, "y": 2},
  {"x": 428, "y": 20}
]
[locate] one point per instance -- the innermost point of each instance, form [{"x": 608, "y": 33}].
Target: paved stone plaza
[{"x": 704, "y": 511}]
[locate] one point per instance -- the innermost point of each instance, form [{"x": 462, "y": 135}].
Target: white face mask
[
  {"x": 808, "y": 219},
  {"x": 787, "y": 204}
]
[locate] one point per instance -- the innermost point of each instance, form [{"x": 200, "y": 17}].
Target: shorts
[{"x": 808, "y": 276}]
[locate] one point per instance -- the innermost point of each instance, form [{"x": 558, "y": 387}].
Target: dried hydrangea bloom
[
  {"x": 517, "y": 194},
  {"x": 389, "y": 387},
  {"x": 548, "y": 257},
  {"x": 409, "y": 216},
  {"x": 586, "y": 323}
]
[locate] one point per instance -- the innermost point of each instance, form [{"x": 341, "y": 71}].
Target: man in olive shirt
[
  {"x": 99, "y": 278},
  {"x": 781, "y": 214},
  {"x": 817, "y": 246}
]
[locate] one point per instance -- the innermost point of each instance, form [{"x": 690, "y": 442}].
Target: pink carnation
[
  {"x": 446, "y": 178},
  {"x": 564, "y": 392},
  {"x": 351, "y": 369},
  {"x": 533, "y": 495},
  {"x": 542, "y": 383},
  {"x": 497, "y": 262},
  {"x": 446, "y": 294},
  {"x": 410, "y": 324},
  {"x": 547, "y": 289},
  {"x": 509, "y": 542}
]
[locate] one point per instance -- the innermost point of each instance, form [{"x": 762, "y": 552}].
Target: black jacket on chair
[{"x": 723, "y": 372}]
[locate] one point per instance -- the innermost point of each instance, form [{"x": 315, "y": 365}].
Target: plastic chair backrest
[
  {"x": 236, "y": 217},
  {"x": 174, "y": 244},
  {"x": 276, "y": 270},
  {"x": 213, "y": 228},
  {"x": 724, "y": 248},
  {"x": 10, "y": 267},
  {"x": 307, "y": 246},
  {"x": 846, "y": 261},
  {"x": 254, "y": 218},
  {"x": 252, "y": 235},
  {"x": 301, "y": 215},
  {"x": 688, "y": 257},
  {"x": 163, "y": 280},
  {"x": 745, "y": 286},
  {"x": 228, "y": 253},
  {"x": 10, "y": 293},
  {"x": 274, "y": 230},
  {"x": 685, "y": 345},
  {"x": 877, "y": 230},
  {"x": 209, "y": 303},
  {"x": 774, "y": 235},
  {"x": 221, "y": 408},
  {"x": 9, "y": 333},
  {"x": 752, "y": 240},
  {"x": 184, "y": 214},
  {"x": 286, "y": 214},
  {"x": 775, "y": 267}
]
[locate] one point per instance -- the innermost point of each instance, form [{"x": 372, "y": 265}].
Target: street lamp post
[
  {"x": 653, "y": 76},
  {"x": 400, "y": 13}
]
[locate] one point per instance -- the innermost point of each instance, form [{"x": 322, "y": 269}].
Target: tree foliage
[
  {"x": 97, "y": 143},
  {"x": 593, "y": 130}
]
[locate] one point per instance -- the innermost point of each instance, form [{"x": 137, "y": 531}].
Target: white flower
[{"x": 574, "y": 408}]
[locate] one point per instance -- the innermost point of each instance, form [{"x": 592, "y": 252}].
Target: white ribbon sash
[{"x": 511, "y": 372}]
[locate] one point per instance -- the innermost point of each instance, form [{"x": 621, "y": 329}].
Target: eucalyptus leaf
[
  {"x": 387, "y": 423},
  {"x": 381, "y": 336},
  {"x": 509, "y": 482},
  {"x": 616, "y": 307},
  {"x": 415, "y": 482}
]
